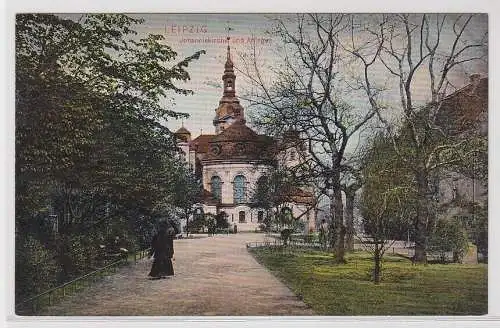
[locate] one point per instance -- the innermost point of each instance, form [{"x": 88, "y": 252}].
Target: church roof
[
  {"x": 200, "y": 143},
  {"x": 182, "y": 130},
  {"x": 462, "y": 110},
  {"x": 237, "y": 131}
]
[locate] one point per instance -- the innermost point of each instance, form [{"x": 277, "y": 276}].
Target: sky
[{"x": 188, "y": 33}]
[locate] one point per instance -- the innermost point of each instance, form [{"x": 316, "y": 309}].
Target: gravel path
[{"x": 214, "y": 276}]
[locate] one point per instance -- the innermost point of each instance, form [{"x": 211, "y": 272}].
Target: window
[
  {"x": 292, "y": 155},
  {"x": 216, "y": 186},
  {"x": 260, "y": 216},
  {"x": 239, "y": 189},
  {"x": 242, "y": 216}
]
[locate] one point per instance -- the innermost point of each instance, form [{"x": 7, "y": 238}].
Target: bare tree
[
  {"x": 352, "y": 182},
  {"x": 420, "y": 55},
  {"x": 304, "y": 93}
]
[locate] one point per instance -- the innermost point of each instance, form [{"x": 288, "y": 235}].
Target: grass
[{"x": 406, "y": 289}]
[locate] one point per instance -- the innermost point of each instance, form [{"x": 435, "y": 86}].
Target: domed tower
[
  {"x": 229, "y": 109},
  {"x": 183, "y": 134},
  {"x": 183, "y": 138}
]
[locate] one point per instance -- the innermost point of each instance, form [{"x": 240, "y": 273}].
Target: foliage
[
  {"x": 210, "y": 223},
  {"x": 401, "y": 45},
  {"x": 449, "y": 236},
  {"x": 273, "y": 193},
  {"x": 273, "y": 190},
  {"x": 221, "y": 220},
  {"x": 387, "y": 200},
  {"x": 90, "y": 147},
  {"x": 480, "y": 231},
  {"x": 36, "y": 267},
  {"x": 198, "y": 224},
  {"x": 406, "y": 289},
  {"x": 304, "y": 95}
]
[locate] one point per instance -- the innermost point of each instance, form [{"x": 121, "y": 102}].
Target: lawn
[{"x": 406, "y": 289}]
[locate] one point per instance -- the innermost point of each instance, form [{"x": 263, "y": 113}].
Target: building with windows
[
  {"x": 463, "y": 117},
  {"x": 232, "y": 160}
]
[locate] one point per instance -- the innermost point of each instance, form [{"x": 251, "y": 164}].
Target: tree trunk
[
  {"x": 336, "y": 209},
  {"x": 349, "y": 220},
  {"x": 424, "y": 218},
  {"x": 377, "y": 260}
]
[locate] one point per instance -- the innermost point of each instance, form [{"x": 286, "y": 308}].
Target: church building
[{"x": 231, "y": 161}]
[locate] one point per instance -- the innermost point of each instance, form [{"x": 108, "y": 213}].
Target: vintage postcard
[{"x": 247, "y": 165}]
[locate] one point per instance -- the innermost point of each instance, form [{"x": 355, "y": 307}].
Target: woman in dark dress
[{"x": 163, "y": 249}]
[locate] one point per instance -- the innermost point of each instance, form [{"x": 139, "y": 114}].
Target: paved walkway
[{"x": 213, "y": 276}]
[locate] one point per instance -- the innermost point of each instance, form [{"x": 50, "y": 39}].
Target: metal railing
[{"x": 49, "y": 297}]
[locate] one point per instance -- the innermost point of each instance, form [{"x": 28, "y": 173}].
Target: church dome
[
  {"x": 238, "y": 131},
  {"x": 182, "y": 130},
  {"x": 183, "y": 134},
  {"x": 239, "y": 142}
]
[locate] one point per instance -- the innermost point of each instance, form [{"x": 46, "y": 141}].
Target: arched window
[
  {"x": 216, "y": 186},
  {"x": 239, "y": 189},
  {"x": 242, "y": 218}
]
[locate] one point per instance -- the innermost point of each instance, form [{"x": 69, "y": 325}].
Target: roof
[
  {"x": 200, "y": 143},
  {"x": 463, "y": 109},
  {"x": 239, "y": 142},
  {"x": 182, "y": 130},
  {"x": 237, "y": 131}
]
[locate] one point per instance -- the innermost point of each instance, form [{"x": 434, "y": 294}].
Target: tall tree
[
  {"x": 89, "y": 138},
  {"x": 418, "y": 55},
  {"x": 305, "y": 93}
]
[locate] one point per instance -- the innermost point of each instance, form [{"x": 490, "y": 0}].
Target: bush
[
  {"x": 36, "y": 268},
  {"x": 211, "y": 223},
  {"x": 263, "y": 227},
  {"x": 197, "y": 224},
  {"x": 222, "y": 222},
  {"x": 449, "y": 237}
]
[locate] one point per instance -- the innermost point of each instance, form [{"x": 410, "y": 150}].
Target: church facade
[{"x": 232, "y": 160}]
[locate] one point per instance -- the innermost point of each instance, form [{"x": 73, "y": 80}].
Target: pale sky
[
  {"x": 188, "y": 33},
  {"x": 209, "y": 31}
]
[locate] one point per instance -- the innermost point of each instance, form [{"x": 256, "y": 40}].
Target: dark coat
[{"x": 162, "y": 246}]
